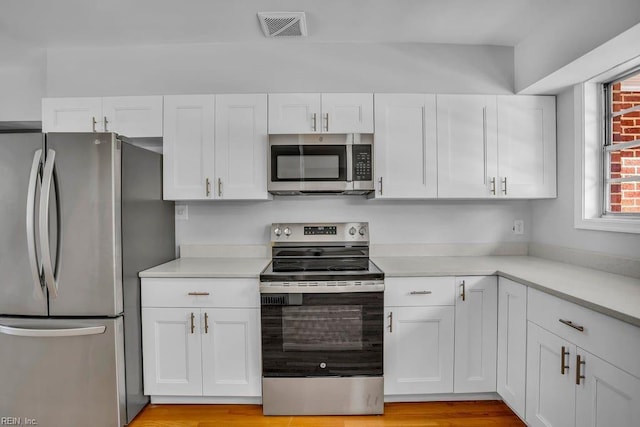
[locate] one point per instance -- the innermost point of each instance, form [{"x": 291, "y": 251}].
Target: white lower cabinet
[
  {"x": 567, "y": 384},
  {"x": 208, "y": 347},
  {"x": 512, "y": 344},
  {"x": 419, "y": 335},
  {"x": 476, "y": 334}
]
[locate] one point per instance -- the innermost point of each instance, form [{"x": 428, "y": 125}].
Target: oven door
[
  {"x": 310, "y": 168},
  {"x": 322, "y": 334}
]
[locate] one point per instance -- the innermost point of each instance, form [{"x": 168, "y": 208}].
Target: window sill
[{"x": 620, "y": 225}]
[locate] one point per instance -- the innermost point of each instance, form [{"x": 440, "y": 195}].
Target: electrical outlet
[
  {"x": 518, "y": 226},
  {"x": 182, "y": 212}
]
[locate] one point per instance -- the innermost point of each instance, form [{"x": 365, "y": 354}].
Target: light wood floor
[{"x": 431, "y": 414}]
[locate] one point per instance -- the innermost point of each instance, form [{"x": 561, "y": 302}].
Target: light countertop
[{"x": 611, "y": 294}]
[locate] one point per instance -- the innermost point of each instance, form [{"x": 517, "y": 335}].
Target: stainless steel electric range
[{"x": 322, "y": 311}]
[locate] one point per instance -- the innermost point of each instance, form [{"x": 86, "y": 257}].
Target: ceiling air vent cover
[{"x": 283, "y": 24}]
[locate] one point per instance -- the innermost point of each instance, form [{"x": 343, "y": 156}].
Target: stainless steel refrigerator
[{"x": 80, "y": 216}]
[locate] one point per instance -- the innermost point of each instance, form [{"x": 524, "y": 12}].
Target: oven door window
[
  {"x": 308, "y": 163},
  {"x": 317, "y": 334}
]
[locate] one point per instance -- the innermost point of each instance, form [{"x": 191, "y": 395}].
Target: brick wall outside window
[{"x": 625, "y": 197}]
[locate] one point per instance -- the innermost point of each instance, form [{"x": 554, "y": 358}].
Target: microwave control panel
[{"x": 362, "y": 164}]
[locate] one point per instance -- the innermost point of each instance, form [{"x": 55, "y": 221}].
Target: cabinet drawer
[
  {"x": 613, "y": 340},
  {"x": 419, "y": 291},
  {"x": 187, "y": 292}
]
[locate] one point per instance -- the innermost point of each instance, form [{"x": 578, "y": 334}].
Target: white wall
[
  {"x": 22, "y": 86},
  {"x": 577, "y": 28},
  {"x": 553, "y": 219},
  {"x": 390, "y": 221},
  {"x": 281, "y": 66}
]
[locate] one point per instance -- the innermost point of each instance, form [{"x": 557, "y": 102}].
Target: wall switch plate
[
  {"x": 182, "y": 212},
  {"x": 518, "y": 226}
]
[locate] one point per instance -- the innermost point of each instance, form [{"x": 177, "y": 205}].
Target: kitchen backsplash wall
[{"x": 409, "y": 222}]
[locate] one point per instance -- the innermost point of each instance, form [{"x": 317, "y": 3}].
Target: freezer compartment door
[
  {"x": 21, "y": 292},
  {"x": 81, "y": 237},
  {"x": 63, "y": 372}
]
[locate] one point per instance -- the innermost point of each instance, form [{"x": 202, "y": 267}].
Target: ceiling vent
[{"x": 283, "y": 24}]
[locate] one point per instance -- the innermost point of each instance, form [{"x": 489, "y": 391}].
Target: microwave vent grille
[{"x": 283, "y": 24}]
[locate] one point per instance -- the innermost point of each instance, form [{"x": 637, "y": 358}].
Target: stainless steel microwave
[{"x": 317, "y": 164}]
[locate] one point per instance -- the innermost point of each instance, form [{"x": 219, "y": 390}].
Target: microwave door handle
[{"x": 349, "y": 163}]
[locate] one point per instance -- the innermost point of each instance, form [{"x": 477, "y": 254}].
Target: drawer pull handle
[
  {"x": 198, "y": 294},
  {"x": 563, "y": 363},
  {"x": 464, "y": 291},
  {"x": 420, "y": 293},
  {"x": 193, "y": 325},
  {"x": 579, "y": 363},
  {"x": 571, "y": 324}
]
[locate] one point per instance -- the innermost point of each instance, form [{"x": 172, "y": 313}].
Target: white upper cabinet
[
  {"x": 131, "y": 116},
  {"x": 467, "y": 158},
  {"x": 293, "y": 113},
  {"x": 527, "y": 146},
  {"x": 241, "y": 147},
  {"x": 71, "y": 115},
  {"x": 496, "y": 146},
  {"x": 188, "y": 147},
  {"x": 405, "y": 146},
  {"x": 215, "y": 155}
]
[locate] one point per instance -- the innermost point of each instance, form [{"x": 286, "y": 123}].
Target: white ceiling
[{"x": 67, "y": 23}]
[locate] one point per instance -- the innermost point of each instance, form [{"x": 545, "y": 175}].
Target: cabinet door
[
  {"x": 512, "y": 344},
  {"x": 466, "y": 146},
  {"x": 241, "y": 147},
  {"x": 294, "y": 113},
  {"x": 527, "y": 146},
  {"x": 551, "y": 399},
  {"x": 347, "y": 112},
  {"x": 171, "y": 347},
  {"x": 607, "y": 396},
  {"x": 72, "y": 115},
  {"x": 133, "y": 116},
  {"x": 476, "y": 334},
  {"x": 405, "y": 146},
  {"x": 418, "y": 350},
  {"x": 188, "y": 147},
  {"x": 230, "y": 352}
]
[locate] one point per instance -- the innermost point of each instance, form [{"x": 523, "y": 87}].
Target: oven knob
[
  {"x": 362, "y": 231},
  {"x": 352, "y": 231},
  {"x": 287, "y": 231},
  {"x": 277, "y": 231},
  {"x": 323, "y": 365}
]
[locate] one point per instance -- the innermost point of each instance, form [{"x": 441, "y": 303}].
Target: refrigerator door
[
  {"x": 21, "y": 292},
  {"x": 62, "y": 372},
  {"x": 81, "y": 236}
]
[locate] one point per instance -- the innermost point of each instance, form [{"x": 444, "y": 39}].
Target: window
[{"x": 621, "y": 159}]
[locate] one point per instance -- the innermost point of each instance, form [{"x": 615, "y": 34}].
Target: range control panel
[{"x": 320, "y": 232}]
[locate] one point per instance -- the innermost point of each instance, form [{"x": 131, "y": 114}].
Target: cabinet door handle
[
  {"x": 315, "y": 122},
  {"x": 105, "y": 122},
  {"x": 390, "y": 317},
  {"x": 326, "y": 125},
  {"x": 206, "y": 323},
  {"x": 571, "y": 324},
  {"x": 193, "y": 325},
  {"x": 463, "y": 294},
  {"x": 579, "y": 363},
  {"x": 93, "y": 123},
  {"x": 504, "y": 190},
  {"x": 196, "y": 294},
  {"x": 380, "y": 182},
  {"x": 219, "y": 187},
  {"x": 420, "y": 293},
  {"x": 208, "y": 186},
  {"x": 563, "y": 363},
  {"x": 493, "y": 185}
]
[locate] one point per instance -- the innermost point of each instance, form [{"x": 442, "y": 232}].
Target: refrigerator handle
[
  {"x": 47, "y": 264},
  {"x": 36, "y": 266},
  {"x": 51, "y": 333}
]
